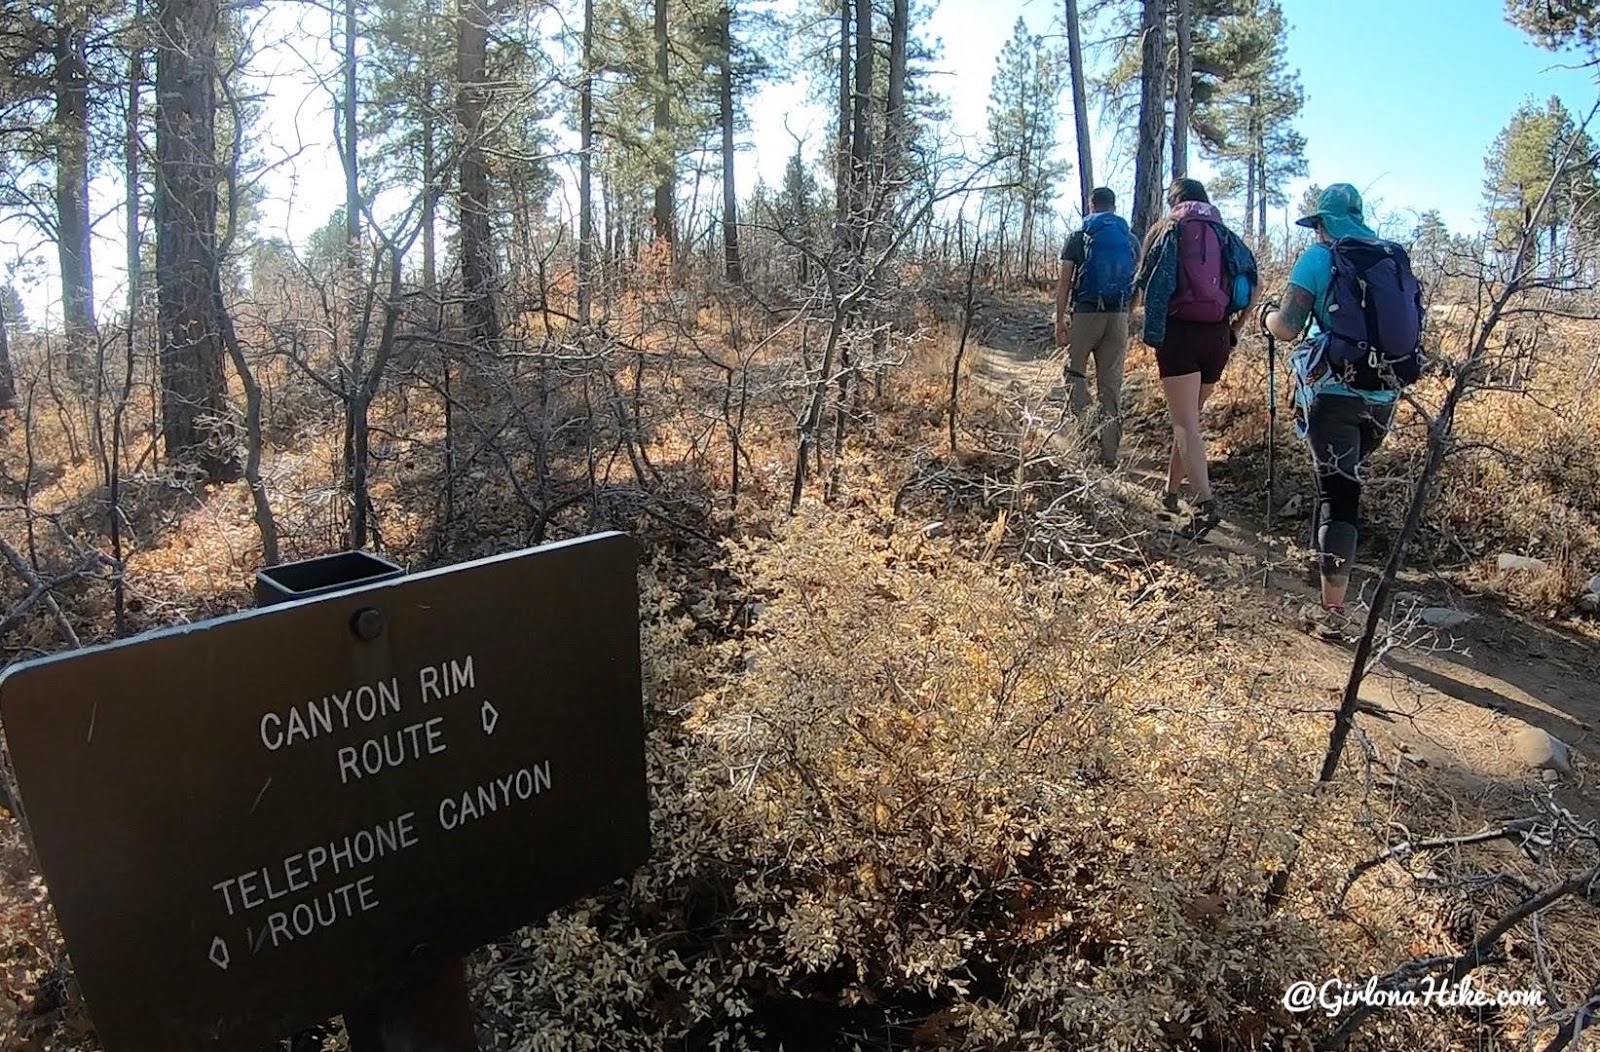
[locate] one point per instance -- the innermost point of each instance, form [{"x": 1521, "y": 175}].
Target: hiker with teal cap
[{"x": 1357, "y": 294}]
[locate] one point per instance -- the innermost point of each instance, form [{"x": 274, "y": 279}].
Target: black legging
[{"x": 1343, "y": 431}]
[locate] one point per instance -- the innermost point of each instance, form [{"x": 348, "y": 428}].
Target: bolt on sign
[{"x": 248, "y": 824}]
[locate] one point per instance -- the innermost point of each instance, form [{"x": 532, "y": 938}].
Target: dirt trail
[{"x": 1455, "y": 698}]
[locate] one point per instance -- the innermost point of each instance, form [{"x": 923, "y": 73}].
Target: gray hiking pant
[
  {"x": 1103, "y": 335},
  {"x": 1342, "y": 431}
]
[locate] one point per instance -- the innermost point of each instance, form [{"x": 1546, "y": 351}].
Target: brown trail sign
[{"x": 251, "y": 824}]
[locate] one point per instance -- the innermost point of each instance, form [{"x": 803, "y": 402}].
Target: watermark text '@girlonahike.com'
[{"x": 1334, "y": 996}]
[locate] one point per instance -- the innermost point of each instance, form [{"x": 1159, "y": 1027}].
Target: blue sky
[
  {"x": 1438, "y": 80},
  {"x": 1404, "y": 98}
]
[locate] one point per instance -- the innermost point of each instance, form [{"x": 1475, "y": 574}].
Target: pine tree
[
  {"x": 56, "y": 61},
  {"x": 194, "y": 395},
  {"x": 1523, "y": 162},
  {"x": 1430, "y": 247},
  {"x": 649, "y": 116},
  {"x": 1024, "y": 115},
  {"x": 1245, "y": 118},
  {"x": 1557, "y": 26},
  {"x": 809, "y": 47},
  {"x": 407, "y": 67},
  {"x": 1080, "y": 106},
  {"x": 1152, "y": 117}
]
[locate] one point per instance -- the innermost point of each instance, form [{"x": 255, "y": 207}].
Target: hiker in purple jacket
[{"x": 1194, "y": 292}]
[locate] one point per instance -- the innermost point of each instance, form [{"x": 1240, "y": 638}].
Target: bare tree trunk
[
  {"x": 133, "y": 242},
  {"x": 1080, "y": 105},
  {"x": 860, "y": 220},
  {"x": 1250, "y": 169},
  {"x": 1026, "y": 246},
  {"x": 358, "y": 450},
  {"x": 352, "y": 191},
  {"x": 841, "y": 168},
  {"x": 666, "y": 163},
  {"x": 895, "y": 122},
  {"x": 896, "y": 136},
  {"x": 1261, "y": 189},
  {"x": 355, "y": 467},
  {"x": 266, "y": 523},
  {"x": 1183, "y": 94},
  {"x": 612, "y": 241},
  {"x": 478, "y": 267},
  {"x": 8, "y": 378},
  {"x": 811, "y": 423},
  {"x": 585, "y": 172},
  {"x": 194, "y": 400},
  {"x": 730, "y": 198},
  {"x": 72, "y": 196},
  {"x": 430, "y": 206},
  {"x": 861, "y": 130},
  {"x": 961, "y": 348},
  {"x": 430, "y": 172},
  {"x": 1152, "y": 117}
]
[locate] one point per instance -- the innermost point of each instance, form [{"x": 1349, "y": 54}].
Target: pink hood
[{"x": 1195, "y": 210}]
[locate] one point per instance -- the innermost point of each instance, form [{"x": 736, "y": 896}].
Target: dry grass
[{"x": 907, "y": 789}]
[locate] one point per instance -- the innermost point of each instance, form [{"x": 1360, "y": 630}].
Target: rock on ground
[
  {"x": 1541, "y": 750},
  {"x": 1444, "y": 617}
]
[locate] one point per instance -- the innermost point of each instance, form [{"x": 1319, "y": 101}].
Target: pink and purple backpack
[{"x": 1203, "y": 292}]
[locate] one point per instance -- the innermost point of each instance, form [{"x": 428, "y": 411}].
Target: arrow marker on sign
[
  {"x": 490, "y": 718},
  {"x": 219, "y": 953}
]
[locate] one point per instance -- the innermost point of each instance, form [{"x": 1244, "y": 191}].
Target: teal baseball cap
[{"x": 1339, "y": 212}]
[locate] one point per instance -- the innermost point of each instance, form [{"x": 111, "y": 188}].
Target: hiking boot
[
  {"x": 1169, "y": 503},
  {"x": 1205, "y": 517},
  {"x": 1331, "y": 623}
]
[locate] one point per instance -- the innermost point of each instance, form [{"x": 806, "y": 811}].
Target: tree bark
[
  {"x": 585, "y": 172},
  {"x": 352, "y": 190},
  {"x": 961, "y": 347},
  {"x": 72, "y": 197},
  {"x": 896, "y": 123},
  {"x": 666, "y": 155},
  {"x": 841, "y": 168},
  {"x": 478, "y": 266},
  {"x": 1183, "y": 92},
  {"x": 1152, "y": 118},
  {"x": 194, "y": 401},
  {"x": 8, "y": 380},
  {"x": 1080, "y": 105},
  {"x": 1261, "y": 191},
  {"x": 730, "y": 197},
  {"x": 861, "y": 129},
  {"x": 1252, "y": 156},
  {"x": 133, "y": 243},
  {"x": 355, "y": 467},
  {"x": 430, "y": 204}
]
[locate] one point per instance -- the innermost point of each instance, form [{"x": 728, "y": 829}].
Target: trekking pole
[{"x": 1272, "y": 421}]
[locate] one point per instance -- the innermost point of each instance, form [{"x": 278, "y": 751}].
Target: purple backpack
[
  {"x": 1202, "y": 294},
  {"x": 1375, "y": 315}
]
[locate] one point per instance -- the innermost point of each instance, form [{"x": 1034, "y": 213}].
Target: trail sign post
[{"x": 251, "y": 824}]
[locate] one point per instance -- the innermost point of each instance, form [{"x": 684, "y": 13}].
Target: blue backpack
[
  {"x": 1374, "y": 341},
  {"x": 1109, "y": 255},
  {"x": 1239, "y": 264}
]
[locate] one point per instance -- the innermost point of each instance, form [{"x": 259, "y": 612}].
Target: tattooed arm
[{"x": 1288, "y": 319}]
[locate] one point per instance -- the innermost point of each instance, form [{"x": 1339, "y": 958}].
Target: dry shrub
[
  {"x": 1527, "y": 480},
  {"x": 1009, "y": 811}
]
